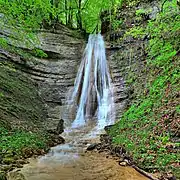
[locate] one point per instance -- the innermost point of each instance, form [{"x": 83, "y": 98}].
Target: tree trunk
[
  {"x": 79, "y": 18},
  {"x": 66, "y": 14}
]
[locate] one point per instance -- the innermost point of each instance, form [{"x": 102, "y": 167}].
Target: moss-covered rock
[
  {"x": 22, "y": 117},
  {"x": 8, "y": 160},
  {"x": 20, "y": 104}
]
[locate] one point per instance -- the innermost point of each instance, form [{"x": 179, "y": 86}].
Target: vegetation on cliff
[
  {"x": 21, "y": 116},
  {"x": 149, "y": 129}
]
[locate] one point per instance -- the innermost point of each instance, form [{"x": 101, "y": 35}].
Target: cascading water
[
  {"x": 93, "y": 93},
  {"x": 92, "y": 96}
]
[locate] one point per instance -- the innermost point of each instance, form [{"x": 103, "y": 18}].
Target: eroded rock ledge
[{"x": 55, "y": 74}]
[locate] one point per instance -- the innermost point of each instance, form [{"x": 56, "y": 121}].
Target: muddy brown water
[{"x": 70, "y": 162}]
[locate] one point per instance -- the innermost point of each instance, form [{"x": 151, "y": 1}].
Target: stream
[
  {"x": 93, "y": 100},
  {"x": 70, "y": 161}
]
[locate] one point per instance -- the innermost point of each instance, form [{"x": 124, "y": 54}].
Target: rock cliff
[{"x": 55, "y": 74}]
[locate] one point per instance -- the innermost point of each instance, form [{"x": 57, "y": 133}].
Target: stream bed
[{"x": 70, "y": 161}]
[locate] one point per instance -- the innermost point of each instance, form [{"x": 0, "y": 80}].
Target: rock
[
  {"x": 91, "y": 147},
  {"x": 51, "y": 131},
  {"x": 21, "y": 161},
  {"x": 60, "y": 127},
  {"x": 105, "y": 139},
  {"x": 55, "y": 140},
  {"x": 170, "y": 176},
  {"x": 107, "y": 128},
  {"x": 118, "y": 150},
  {"x": 54, "y": 75},
  {"x": 6, "y": 167},
  {"x": 8, "y": 160},
  {"x": 123, "y": 163},
  {"x": 98, "y": 147},
  {"x": 19, "y": 165},
  {"x": 27, "y": 152},
  {"x": 1, "y": 158}
]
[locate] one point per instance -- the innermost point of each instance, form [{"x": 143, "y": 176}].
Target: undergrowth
[
  {"x": 149, "y": 129},
  {"x": 16, "y": 140}
]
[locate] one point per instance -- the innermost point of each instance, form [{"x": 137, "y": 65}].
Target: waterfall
[{"x": 92, "y": 94}]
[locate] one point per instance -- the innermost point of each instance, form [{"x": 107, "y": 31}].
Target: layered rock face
[
  {"x": 127, "y": 54},
  {"x": 121, "y": 89},
  {"x": 55, "y": 74}
]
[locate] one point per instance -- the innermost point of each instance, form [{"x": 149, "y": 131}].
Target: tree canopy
[{"x": 80, "y": 14}]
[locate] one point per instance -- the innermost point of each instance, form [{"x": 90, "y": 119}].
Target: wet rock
[
  {"x": 55, "y": 140},
  {"x": 18, "y": 165},
  {"x": 27, "y": 152},
  {"x": 53, "y": 75},
  {"x": 91, "y": 147},
  {"x": 123, "y": 163},
  {"x": 60, "y": 127},
  {"x": 168, "y": 176},
  {"x": 106, "y": 139},
  {"x": 107, "y": 128},
  {"x": 98, "y": 147},
  {"x": 171, "y": 178}
]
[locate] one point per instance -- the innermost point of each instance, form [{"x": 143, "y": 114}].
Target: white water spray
[{"x": 93, "y": 93}]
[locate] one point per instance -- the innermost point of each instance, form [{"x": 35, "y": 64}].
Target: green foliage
[
  {"x": 145, "y": 128},
  {"x": 3, "y": 43},
  {"x": 20, "y": 20},
  {"x": 31, "y": 15},
  {"x": 140, "y": 12},
  {"x": 1, "y": 94},
  {"x": 39, "y": 53},
  {"x": 26, "y": 13},
  {"x": 16, "y": 140},
  {"x": 164, "y": 43},
  {"x": 116, "y": 24},
  {"x": 136, "y": 32}
]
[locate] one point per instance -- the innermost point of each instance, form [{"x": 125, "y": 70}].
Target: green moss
[
  {"x": 16, "y": 140},
  {"x": 19, "y": 100},
  {"x": 21, "y": 115}
]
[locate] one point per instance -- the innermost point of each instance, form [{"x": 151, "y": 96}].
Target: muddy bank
[
  {"x": 11, "y": 159},
  {"x": 118, "y": 153},
  {"x": 88, "y": 166}
]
